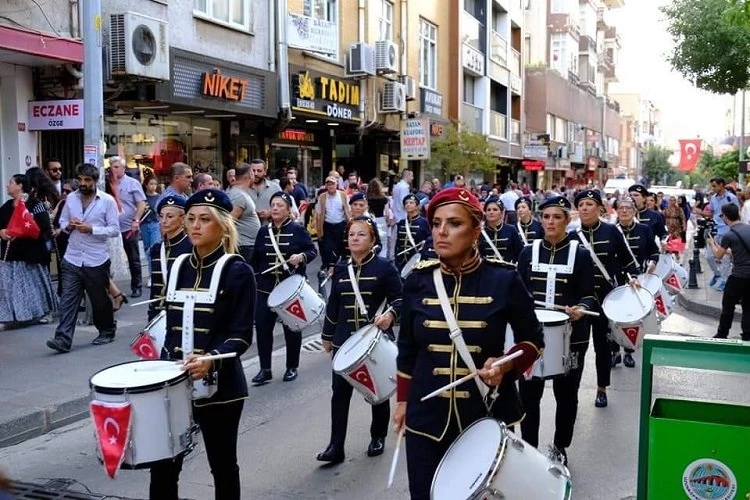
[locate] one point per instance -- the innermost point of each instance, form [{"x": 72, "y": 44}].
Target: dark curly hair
[{"x": 41, "y": 186}]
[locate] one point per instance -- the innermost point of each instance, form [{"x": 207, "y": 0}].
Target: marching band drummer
[
  {"x": 529, "y": 228},
  {"x": 574, "y": 289},
  {"x": 643, "y": 246},
  {"x": 410, "y": 232},
  {"x": 171, "y": 213},
  {"x": 226, "y": 327},
  {"x": 612, "y": 260},
  {"x": 297, "y": 249},
  {"x": 484, "y": 296},
  {"x": 378, "y": 281},
  {"x": 502, "y": 237}
]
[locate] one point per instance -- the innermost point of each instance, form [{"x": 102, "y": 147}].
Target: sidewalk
[{"x": 704, "y": 300}]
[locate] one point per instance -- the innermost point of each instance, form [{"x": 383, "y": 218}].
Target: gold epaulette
[
  {"x": 426, "y": 264},
  {"x": 499, "y": 262}
]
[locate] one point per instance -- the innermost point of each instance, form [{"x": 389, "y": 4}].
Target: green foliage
[
  {"x": 657, "y": 168},
  {"x": 711, "y": 46},
  {"x": 462, "y": 151},
  {"x": 727, "y": 166}
]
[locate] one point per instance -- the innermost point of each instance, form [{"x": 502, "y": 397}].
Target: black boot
[
  {"x": 376, "y": 447},
  {"x": 290, "y": 374},
  {"x": 262, "y": 377},
  {"x": 332, "y": 454}
]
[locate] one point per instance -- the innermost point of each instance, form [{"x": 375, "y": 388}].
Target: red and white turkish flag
[
  {"x": 112, "y": 426},
  {"x": 631, "y": 333},
  {"x": 674, "y": 282},
  {"x": 690, "y": 151},
  {"x": 296, "y": 309},
  {"x": 144, "y": 347},
  {"x": 362, "y": 376},
  {"x": 661, "y": 307}
]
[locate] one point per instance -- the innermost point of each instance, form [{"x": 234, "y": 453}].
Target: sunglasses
[{"x": 55, "y": 170}]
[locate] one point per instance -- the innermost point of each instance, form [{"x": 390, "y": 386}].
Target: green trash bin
[{"x": 698, "y": 450}]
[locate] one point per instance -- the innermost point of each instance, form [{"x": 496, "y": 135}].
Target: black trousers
[
  {"x": 423, "y": 456},
  {"x": 75, "y": 281},
  {"x": 265, "y": 320},
  {"x": 130, "y": 241},
  {"x": 600, "y": 334},
  {"x": 219, "y": 426},
  {"x": 342, "y": 396},
  {"x": 566, "y": 396},
  {"x": 736, "y": 291},
  {"x": 332, "y": 243}
]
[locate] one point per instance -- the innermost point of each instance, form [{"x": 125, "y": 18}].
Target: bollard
[{"x": 693, "y": 276}]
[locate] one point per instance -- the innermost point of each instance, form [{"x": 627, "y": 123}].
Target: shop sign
[
  {"x": 313, "y": 35},
  {"x": 535, "y": 149},
  {"x": 437, "y": 129},
  {"x": 56, "y": 115},
  {"x": 533, "y": 165},
  {"x": 326, "y": 96},
  {"x": 431, "y": 102},
  {"x": 216, "y": 85},
  {"x": 291, "y": 134},
  {"x": 473, "y": 60},
  {"x": 415, "y": 139}
]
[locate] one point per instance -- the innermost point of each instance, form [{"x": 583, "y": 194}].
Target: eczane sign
[{"x": 56, "y": 115}]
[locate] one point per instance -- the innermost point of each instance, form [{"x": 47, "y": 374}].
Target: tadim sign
[
  {"x": 325, "y": 96},
  {"x": 221, "y": 86}
]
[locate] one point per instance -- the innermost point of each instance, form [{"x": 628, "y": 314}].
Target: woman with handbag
[
  {"x": 365, "y": 280},
  {"x": 479, "y": 298},
  {"x": 25, "y": 229}
]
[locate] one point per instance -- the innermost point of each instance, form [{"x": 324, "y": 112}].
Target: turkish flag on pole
[
  {"x": 112, "y": 426},
  {"x": 690, "y": 151}
]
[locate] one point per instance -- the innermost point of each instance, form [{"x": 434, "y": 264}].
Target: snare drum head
[
  {"x": 471, "y": 457},
  {"x": 650, "y": 282},
  {"x": 354, "y": 349},
  {"x": 284, "y": 290},
  {"x": 547, "y": 317},
  {"x": 136, "y": 375},
  {"x": 623, "y": 305},
  {"x": 664, "y": 266}
]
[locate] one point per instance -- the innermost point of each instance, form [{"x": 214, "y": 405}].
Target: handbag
[
  {"x": 22, "y": 223},
  {"x": 675, "y": 245}
]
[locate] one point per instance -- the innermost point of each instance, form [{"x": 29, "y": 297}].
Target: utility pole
[
  {"x": 741, "y": 176},
  {"x": 93, "y": 102}
]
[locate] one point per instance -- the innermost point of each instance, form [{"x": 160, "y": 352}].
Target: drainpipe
[
  {"x": 282, "y": 63},
  {"x": 362, "y": 82},
  {"x": 404, "y": 38}
]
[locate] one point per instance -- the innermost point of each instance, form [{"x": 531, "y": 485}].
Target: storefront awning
[{"x": 35, "y": 48}]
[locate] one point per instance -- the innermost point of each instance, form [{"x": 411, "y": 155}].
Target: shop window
[{"x": 232, "y": 13}]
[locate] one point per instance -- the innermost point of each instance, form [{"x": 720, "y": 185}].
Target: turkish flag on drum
[
  {"x": 362, "y": 376},
  {"x": 673, "y": 281},
  {"x": 144, "y": 347},
  {"x": 631, "y": 333},
  {"x": 690, "y": 151},
  {"x": 112, "y": 426}
]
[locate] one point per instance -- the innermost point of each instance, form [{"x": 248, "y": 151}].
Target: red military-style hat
[{"x": 454, "y": 195}]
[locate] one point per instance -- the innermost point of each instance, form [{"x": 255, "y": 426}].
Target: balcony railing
[
  {"x": 498, "y": 48},
  {"x": 471, "y": 116},
  {"x": 515, "y": 132},
  {"x": 474, "y": 32},
  {"x": 498, "y": 125},
  {"x": 515, "y": 62}
]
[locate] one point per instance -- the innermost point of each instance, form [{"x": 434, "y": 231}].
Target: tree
[
  {"x": 727, "y": 166},
  {"x": 462, "y": 151},
  {"x": 656, "y": 166},
  {"x": 711, "y": 48}
]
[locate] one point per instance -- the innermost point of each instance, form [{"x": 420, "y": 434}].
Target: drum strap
[
  {"x": 552, "y": 269},
  {"x": 522, "y": 233},
  {"x": 163, "y": 262},
  {"x": 455, "y": 332},
  {"x": 407, "y": 226},
  {"x": 493, "y": 247},
  {"x": 594, "y": 257},
  {"x": 358, "y": 296},
  {"x": 275, "y": 244},
  {"x": 632, "y": 255}
]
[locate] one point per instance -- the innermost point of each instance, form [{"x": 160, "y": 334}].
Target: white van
[{"x": 620, "y": 185}]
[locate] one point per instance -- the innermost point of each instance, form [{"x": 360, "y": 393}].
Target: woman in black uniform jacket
[
  {"x": 226, "y": 327},
  {"x": 485, "y": 297},
  {"x": 297, "y": 249},
  {"x": 378, "y": 281}
]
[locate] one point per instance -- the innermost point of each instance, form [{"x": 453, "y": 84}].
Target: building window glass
[
  {"x": 469, "y": 89},
  {"x": 559, "y": 7},
  {"x": 233, "y": 13},
  {"x": 560, "y": 130},
  {"x": 427, "y": 54},
  {"x": 385, "y": 21}
]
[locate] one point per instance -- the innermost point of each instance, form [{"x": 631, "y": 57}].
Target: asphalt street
[{"x": 286, "y": 424}]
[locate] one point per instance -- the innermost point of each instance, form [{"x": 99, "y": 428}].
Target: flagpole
[{"x": 740, "y": 175}]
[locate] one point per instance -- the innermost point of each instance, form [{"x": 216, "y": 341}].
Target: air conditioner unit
[
  {"x": 361, "y": 60},
  {"x": 393, "y": 99},
  {"x": 410, "y": 85},
  {"x": 138, "y": 46},
  {"x": 386, "y": 56}
]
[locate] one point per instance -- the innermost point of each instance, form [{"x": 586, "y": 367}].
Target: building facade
[{"x": 641, "y": 127}]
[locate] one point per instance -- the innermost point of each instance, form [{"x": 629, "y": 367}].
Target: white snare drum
[
  {"x": 162, "y": 413},
  {"x": 631, "y": 314},
  {"x": 297, "y": 304},
  {"x": 409, "y": 266},
  {"x": 489, "y": 461},
  {"x": 662, "y": 300},
  {"x": 367, "y": 360},
  {"x": 553, "y": 361},
  {"x": 674, "y": 276}
]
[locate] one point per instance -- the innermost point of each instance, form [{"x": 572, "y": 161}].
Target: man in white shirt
[
  {"x": 400, "y": 190},
  {"x": 509, "y": 198},
  {"x": 333, "y": 213},
  {"x": 90, "y": 217}
]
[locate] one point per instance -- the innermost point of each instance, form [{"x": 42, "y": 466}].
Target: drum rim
[
  {"x": 161, "y": 316},
  {"x": 367, "y": 352},
  {"x": 296, "y": 291},
  {"x": 645, "y": 314},
  {"x": 135, "y": 390},
  {"x": 565, "y": 319}
]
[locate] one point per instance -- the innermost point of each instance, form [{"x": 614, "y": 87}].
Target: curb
[{"x": 701, "y": 308}]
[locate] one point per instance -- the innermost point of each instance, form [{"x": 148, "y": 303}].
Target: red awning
[
  {"x": 42, "y": 47},
  {"x": 533, "y": 165}
]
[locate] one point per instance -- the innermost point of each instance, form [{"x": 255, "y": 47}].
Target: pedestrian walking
[
  {"x": 90, "y": 218},
  {"x": 244, "y": 210},
  {"x": 150, "y": 232}
]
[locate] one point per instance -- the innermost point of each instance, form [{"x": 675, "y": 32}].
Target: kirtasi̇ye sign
[
  {"x": 326, "y": 96},
  {"x": 220, "y": 86},
  {"x": 415, "y": 139},
  {"x": 56, "y": 115}
]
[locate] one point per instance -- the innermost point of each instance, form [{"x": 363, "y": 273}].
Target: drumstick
[
  {"x": 471, "y": 375},
  {"x": 418, "y": 245},
  {"x": 275, "y": 266},
  {"x": 179, "y": 362},
  {"x": 637, "y": 296},
  {"x": 394, "y": 461},
  {"x": 562, "y": 308},
  {"x": 143, "y": 302}
]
